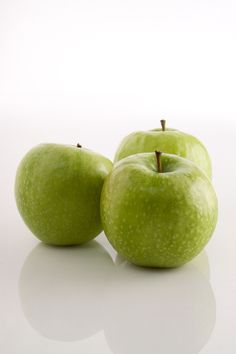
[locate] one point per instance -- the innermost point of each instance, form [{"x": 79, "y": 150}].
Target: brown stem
[
  {"x": 79, "y": 146},
  {"x": 158, "y": 157},
  {"x": 163, "y": 124}
]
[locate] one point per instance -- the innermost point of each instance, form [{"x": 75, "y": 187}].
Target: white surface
[
  {"x": 78, "y": 71},
  {"x": 82, "y": 300}
]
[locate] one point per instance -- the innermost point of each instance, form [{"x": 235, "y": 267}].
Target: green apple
[
  {"x": 58, "y": 190},
  {"x": 166, "y": 140},
  {"x": 158, "y": 216}
]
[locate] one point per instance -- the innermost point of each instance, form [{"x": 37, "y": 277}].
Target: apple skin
[
  {"x": 158, "y": 219},
  {"x": 57, "y": 190},
  {"x": 169, "y": 141}
]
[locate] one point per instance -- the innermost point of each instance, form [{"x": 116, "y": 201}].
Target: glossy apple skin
[
  {"x": 169, "y": 141},
  {"x": 158, "y": 219},
  {"x": 57, "y": 190}
]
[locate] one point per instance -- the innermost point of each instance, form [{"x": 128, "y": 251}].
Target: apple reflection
[
  {"x": 69, "y": 294},
  {"x": 62, "y": 290},
  {"x": 160, "y": 311}
]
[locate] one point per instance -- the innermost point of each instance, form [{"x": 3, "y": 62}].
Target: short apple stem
[
  {"x": 158, "y": 157},
  {"x": 163, "y": 124},
  {"x": 79, "y": 146}
]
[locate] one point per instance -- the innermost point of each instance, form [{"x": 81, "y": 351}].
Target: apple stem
[
  {"x": 163, "y": 124},
  {"x": 79, "y": 146},
  {"x": 158, "y": 157}
]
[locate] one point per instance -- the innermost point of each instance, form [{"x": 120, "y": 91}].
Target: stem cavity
[{"x": 79, "y": 146}]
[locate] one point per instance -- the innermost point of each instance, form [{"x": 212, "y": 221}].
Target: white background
[{"x": 93, "y": 71}]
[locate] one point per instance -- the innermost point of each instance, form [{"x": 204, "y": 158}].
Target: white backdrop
[{"x": 171, "y": 57}]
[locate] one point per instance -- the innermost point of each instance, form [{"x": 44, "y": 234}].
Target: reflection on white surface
[
  {"x": 72, "y": 293},
  {"x": 166, "y": 311},
  {"x": 62, "y": 289}
]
